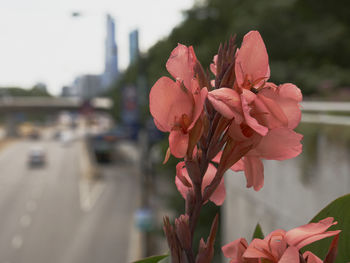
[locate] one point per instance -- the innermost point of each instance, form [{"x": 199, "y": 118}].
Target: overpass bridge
[
  {"x": 51, "y": 104},
  {"x": 12, "y": 107}
]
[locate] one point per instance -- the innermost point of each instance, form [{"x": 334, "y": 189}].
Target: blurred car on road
[
  {"x": 56, "y": 135},
  {"x": 36, "y": 157},
  {"x": 103, "y": 144},
  {"x": 34, "y": 134}
]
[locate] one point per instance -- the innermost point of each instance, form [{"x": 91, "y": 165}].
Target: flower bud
[
  {"x": 173, "y": 242},
  {"x": 183, "y": 232}
]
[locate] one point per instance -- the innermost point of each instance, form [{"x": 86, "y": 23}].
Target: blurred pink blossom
[{"x": 281, "y": 246}]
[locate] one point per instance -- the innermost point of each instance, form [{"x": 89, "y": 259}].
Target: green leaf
[
  {"x": 258, "y": 232},
  {"x": 152, "y": 259},
  {"x": 340, "y": 210}
]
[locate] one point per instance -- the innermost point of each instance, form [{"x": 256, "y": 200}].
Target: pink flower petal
[
  {"x": 168, "y": 101},
  {"x": 235, "y": 250},
  {"x": 236, "y": 133},
  {"x": 159, "y": 126},
  {"x": 252, "y": 122},
  {"x": 181, "y": 62},
  {"x": 209, "y": 176},
  {"x": 183, "y": 190},
  {"x": 217, "y": 158},
  {"x": 279, "y": 144},
  {"x": 199, "y": 97},
  {"x": 306, "y": 234},
  {"x": 182, "y": 180},
  {"x": 178, "y": 143},
  {"x": 277, "y": 244},
  {"x": 252, "y": 61},
  {"x": 290, "y": 255},
  {"x": 218, "y": 197},
  {"x": 277, "y": 232},
  {"x": 270, "y": 111},
  {"x": 290, "y": 91},
  {"x": 213, "y": 65},
  {"x": 227, "y": 102},
  {"x": 315, "y": 238},
  {"x": 254, "y": 172},
  {"x": 258, "y": 249},
  {"x": 311, "y": 257},
  {"x": 290, "y": 97},
  {"x": 284, "y": 110},
  {"x": 180, "y": 169},
  {"x": 238, "y": 166},
  {"x": 248, "y": 95}
]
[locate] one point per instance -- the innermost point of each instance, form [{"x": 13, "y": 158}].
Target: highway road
[{"x": 43, "y": 213}]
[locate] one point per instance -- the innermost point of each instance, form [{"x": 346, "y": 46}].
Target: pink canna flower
[
  {"x": 281, "y": 246},
  {"x": 274, "y": 248},
  {"x": 261, "y": 104},
  {"x": 185, "y": 187},
  {"x": 258, "y": 107},
  {"x": 176, "y": 106},
  {"x": 252, "y": 62}
]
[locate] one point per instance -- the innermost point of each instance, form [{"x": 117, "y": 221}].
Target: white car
[
  {"x": 36, "y": 157},
  {"x": 66, "y": 138}
]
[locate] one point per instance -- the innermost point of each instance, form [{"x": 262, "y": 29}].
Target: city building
[
  {"x": 111, "y": 71},
  {"x": 133, "y": 45},
  {"x": 67, "y": 91},
  {"x": 88, "y": 86}
]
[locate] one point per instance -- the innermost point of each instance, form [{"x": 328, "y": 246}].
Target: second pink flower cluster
[{"x": 283, "y": 247}]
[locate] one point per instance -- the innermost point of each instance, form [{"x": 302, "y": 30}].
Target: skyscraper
[
  {"x": 111, "y": 55},
  {"x": 133, "y": 45}
]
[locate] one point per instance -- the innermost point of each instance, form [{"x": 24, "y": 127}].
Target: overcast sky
[{"x": 41, "y": 42}]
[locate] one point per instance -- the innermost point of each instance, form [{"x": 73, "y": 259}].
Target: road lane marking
[
  {"x": 25, "y": 221},
  {"x": 89, "y": 193},
  {"x": 31, "y": 206},
  {"x": 17, "y": 242}
]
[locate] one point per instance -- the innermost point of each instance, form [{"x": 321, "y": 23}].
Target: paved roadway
[{"x": 41, "y": 215}]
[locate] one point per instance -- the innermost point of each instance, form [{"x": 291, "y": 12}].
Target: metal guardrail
[
  {"x": 319, "y": 112},
  {"x": 325, "y": 106}
]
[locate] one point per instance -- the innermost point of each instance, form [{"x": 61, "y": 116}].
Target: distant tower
[
  {"x": 111, "y": 55},
  {"x": 133, "y": 45}
]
